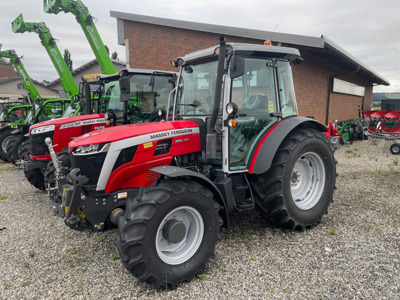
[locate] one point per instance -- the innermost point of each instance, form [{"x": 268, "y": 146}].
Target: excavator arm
[
  {"x": 20, "y": 69},
  {"x": 83, "y": 17},
  {"x": 49, "y": 43}
]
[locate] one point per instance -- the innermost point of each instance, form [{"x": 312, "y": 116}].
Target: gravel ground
[{"x": 353, "y": 253}]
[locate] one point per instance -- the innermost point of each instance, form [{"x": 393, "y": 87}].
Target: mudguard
[
  {"x": 263, "y": 154},
  {"x": 174, "y": 172}
]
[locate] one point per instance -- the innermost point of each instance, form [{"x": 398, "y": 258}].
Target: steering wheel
[{"x": 197, "y": 107}]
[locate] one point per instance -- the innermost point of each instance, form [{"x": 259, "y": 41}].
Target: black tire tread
[
  {"x": 132, "y": 232},
  {"x": 268, "y": 187},
  {"x": 13, "y": 147}
]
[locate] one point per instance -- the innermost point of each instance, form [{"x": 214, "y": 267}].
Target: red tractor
[
  {"x": 152, "y": 88},
  {"x": 232, "y": 141}
]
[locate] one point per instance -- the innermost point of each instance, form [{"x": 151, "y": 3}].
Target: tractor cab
[
  {"x": 256, "y": 92},
  {"x": 138, "y": 94}
]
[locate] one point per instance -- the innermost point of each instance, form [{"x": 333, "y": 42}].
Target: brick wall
[{"x": 153, "y": 47}]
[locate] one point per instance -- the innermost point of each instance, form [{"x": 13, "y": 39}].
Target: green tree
[
  {"x": 68, "y": 60},
  {"x": 114, "y": 55}
]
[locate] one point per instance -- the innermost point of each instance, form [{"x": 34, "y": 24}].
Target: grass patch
[
  {"x": 332, "y": 231},
  {"x": 202, "y": 276}
]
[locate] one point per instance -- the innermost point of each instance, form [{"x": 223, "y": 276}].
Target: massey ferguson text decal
[
  {"x": 172, "y": 133},
  {"x": 82, "y": 123}
]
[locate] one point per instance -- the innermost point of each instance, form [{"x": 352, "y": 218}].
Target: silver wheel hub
[
  {"x": 179, "y": 235},
  {"x": 308, "y": 180}
]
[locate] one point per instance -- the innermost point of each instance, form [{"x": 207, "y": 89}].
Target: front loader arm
[
  {"x": 83, "y": 17},
  {"x": 49, "y": 43},
  {"x": 19, "y": 68}
]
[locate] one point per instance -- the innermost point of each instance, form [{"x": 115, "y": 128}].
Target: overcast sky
[{"x": 367, "y": 29}]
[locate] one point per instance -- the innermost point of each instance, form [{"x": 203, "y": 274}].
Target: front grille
[
  {"x": 89, "y": 165},
  {"x": 38, "y": 145}
]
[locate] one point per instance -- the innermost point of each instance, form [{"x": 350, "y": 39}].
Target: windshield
[
  {"x": 196, "y": 89},
  {"x": 148, "y": 93},
  {"x": 50, "y": 110},
  {"x": 18, "y": 114},
  {"x": 70, "y": 111}
]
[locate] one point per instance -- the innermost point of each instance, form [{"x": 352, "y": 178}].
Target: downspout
[{"x": 330, "y": 87}]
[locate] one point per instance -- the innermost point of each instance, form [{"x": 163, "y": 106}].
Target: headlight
[
  {"x": 91, "y": 149},
  {"x": 43, "y": 129},
  {"x": 231, "y": 108}
]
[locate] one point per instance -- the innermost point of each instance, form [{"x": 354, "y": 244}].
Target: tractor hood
[
  {"x": 70, "y": 120},
  {"x": 142, "y": 132}
]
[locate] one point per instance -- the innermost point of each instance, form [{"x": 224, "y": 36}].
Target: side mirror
[
  {"x": 237, "y": 66},
  {"x": 125, "y": 87}
]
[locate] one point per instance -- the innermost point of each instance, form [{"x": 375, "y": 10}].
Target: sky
[{"x": 367, "y": 29}]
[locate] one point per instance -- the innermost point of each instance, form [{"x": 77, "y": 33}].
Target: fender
[
  {"x": 264, "y": 153},
  {"x": 174, "y": 172}
]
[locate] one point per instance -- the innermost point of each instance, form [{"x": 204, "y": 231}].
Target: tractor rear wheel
[
  {"x": 395, "y": 149},
  {"x": 298, "y": 188},
  {"x": 169, "y": 232},
  {"x": 13, "y": 147}
]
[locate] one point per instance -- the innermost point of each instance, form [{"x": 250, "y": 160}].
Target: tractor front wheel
[
  {"x": 4, "y": 139},
  {"x": 395, "y": 149},
  {"x": 169, "y": 232},
  {"x": 298, "y": 188},
  {"x": 13, "y": 147},
  {"x": 34, "y": 176}
]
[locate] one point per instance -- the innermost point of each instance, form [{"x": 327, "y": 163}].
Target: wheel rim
[
  {"x": 395, "y": 149},
  {"x": 308, "y": 180},
  {"x": 179, "y": 235}
]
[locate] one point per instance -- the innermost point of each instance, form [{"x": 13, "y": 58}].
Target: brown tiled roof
[{"x": 7, "y": 72}]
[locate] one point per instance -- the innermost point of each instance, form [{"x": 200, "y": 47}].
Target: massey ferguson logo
[
  {"x": 83, "y": 123},
  {"x": 171, "y": 133}
]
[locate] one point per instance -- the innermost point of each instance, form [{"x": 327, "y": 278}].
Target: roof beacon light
[{"x": 267, "y": 43}]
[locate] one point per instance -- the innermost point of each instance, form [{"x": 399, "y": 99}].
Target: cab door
[{"x": 255, "y": 94}]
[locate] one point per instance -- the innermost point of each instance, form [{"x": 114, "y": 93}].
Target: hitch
[
  {"x": 53, "y": 155},
  {"x": 71, "y": 200}
]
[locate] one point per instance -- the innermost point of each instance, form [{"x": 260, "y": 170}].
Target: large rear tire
[
  {"x": 169, "y": 232},
  {"x": 13, "y": 148},
  {"x": 298, "y": 188}
]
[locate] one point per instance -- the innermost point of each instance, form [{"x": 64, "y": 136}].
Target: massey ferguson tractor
[{"x": 232, "y": 142}]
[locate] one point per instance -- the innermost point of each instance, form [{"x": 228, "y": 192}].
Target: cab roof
[{"x": 245, "y": 50}]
